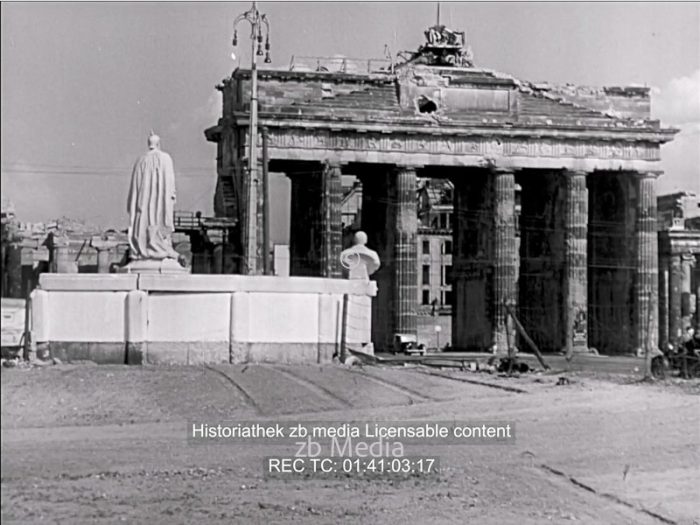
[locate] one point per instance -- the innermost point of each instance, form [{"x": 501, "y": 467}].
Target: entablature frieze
[{"x": 432, "y": 144}]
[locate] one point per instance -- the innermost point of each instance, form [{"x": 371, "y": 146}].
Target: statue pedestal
[
  {"x": 153, "y": 266},
  {"x": 175, "y": 318}
]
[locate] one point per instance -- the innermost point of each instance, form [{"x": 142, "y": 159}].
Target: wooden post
[
  {"x": 647, "y": 351},
  {"x": 28, "y": 353},
  {"x": 343, "y": 329},
  {"x": 529, "y": 341},
  {"x": 266, "y": 203},
  {"x": 511, "y": 355}
]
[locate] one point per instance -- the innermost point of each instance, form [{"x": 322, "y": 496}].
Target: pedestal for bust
[{"x": 153, "y": 266}]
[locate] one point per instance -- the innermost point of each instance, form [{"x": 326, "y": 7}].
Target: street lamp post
[{"x": 250, "y": 233}]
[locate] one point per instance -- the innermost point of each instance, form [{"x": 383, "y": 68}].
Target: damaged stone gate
[{"x": 586, "y": 160}]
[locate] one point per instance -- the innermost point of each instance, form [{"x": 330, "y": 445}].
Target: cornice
[{"x": 513, "y": 131}]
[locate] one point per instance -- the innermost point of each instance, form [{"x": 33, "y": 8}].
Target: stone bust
[{"x": 360, "y": 261}]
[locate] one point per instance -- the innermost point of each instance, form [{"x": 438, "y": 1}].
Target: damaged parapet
[
  {"x": 628, "y": 102},
  {"x": 676, "y": 209}
]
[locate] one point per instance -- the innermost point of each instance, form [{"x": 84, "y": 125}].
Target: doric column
[
  {"x": 229, "y": 259},
  {"x": 405, "y": 251},
  {"x": 61, "y": 259},
  {"x": 217, "y": 259},
  {"x": 663, "y": 300},
  {"x": 331, "y": 221},
  {"x": 646, "y": 285},
  {"x": 687, "y": 267},
  {"x": 461, "y": 267},
  {"x": 13, "y": 266},
  {"x": 674, "y": 298},
  {"x": 316, "y": 228},
  {"x": 301, "y": 225},
  {"x": 505, "y": 257},
  {"x": 376, "y": 222},
  {"x": 696, "y": 281},
  {"x": 104, "y": 248},
  {"x": 576, "y": 261}
]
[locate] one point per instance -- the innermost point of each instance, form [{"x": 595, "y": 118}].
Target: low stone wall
[{"x": 197, "y": 319}]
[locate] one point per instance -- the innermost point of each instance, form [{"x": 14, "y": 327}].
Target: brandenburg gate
[{"x": 578, "y": 263}]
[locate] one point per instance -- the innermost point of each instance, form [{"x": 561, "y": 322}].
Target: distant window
[
  {"x": 426, "y": 296},
  {"x": 447, "y": 298},
  {"x": 447, "y": 197},
  {"x": 426, "y": 274},
  {"x": 426, "y": 247},
  {"x": 447, "y": 275},
  {"x": 444, "y": 221},
  {"x": 447, "y": 247}
]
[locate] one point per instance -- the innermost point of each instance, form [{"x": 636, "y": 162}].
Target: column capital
[
  {"x": 57, "y": 241},
  {"x": 407, "y": 167},
  {"x": 576, "y": 173},
  {"x": 502, "y": 171},
  {"x": 651, "y": 174},
  {"x": 334, "y": 164}
]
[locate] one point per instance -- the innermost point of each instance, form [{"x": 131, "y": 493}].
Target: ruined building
[
  {"x": 59, "y": 246},
  {"x": 585, "y": 273},
  {"x": 434, "y": 245},
  {"x": 679, "y": 265}
]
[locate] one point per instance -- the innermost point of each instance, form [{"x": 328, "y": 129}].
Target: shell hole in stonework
[{"x": 426, "y": 105}]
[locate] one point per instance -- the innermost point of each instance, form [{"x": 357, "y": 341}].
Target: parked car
[{"x": 407, "y": 344}]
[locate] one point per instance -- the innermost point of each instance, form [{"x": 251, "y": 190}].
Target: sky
[{"x": 84, "y": 83}]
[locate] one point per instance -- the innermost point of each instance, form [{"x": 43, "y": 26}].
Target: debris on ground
[
  {"x": 513, "y": 365},
  {"x": 352, "y": 361},
  {"x": 17, "y": 362}
]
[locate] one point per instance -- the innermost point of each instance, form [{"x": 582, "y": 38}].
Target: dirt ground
[{"x": 107, "y": 444}]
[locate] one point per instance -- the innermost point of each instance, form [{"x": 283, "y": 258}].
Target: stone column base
[{"x": 582, "y": 349}]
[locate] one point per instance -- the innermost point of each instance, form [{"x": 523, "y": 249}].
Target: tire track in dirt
[
  {"x": 605, "y": 495},
  {"x": 474, "y": 382},
  {"x": 394, "y": 385},
  {"x": 314, "y": 387},
  {"x": 246, "y": 395}
]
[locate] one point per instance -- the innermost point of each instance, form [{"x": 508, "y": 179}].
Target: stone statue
[
  {"x": 360, "y": 261},
  {"x": 151, "y": 204},
  {"x": 444, "y": 47}
]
